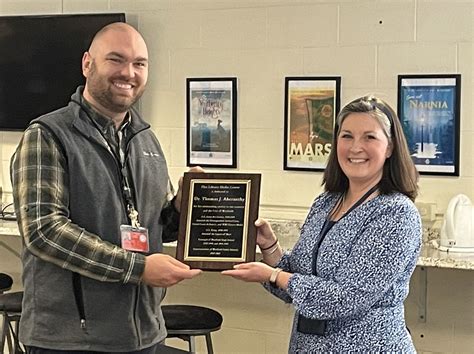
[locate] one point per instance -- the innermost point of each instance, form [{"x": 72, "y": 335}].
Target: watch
[{"x": 274, "y": 275}]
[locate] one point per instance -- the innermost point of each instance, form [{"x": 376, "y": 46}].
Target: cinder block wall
[{"x": 368, "y": 43}]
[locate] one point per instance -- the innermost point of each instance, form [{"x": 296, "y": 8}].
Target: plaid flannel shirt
[{"x": 40, "y": 189}]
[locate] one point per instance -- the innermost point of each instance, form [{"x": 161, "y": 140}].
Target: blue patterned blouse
[{"x": 364, "y": 265}]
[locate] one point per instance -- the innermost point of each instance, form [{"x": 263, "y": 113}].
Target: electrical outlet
[{"x": 427, "y": 211}]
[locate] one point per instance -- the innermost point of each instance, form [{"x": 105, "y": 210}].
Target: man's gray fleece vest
[{"x": 120, "y": 317}]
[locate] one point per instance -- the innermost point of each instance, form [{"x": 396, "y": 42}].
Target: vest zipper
[
  {"x": 117, "y": 162},
  {"x": 78, "y": 297},
  {"x": 135, "y": 315}
]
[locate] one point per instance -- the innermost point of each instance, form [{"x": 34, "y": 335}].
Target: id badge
[{"x": 134, "y": 238}]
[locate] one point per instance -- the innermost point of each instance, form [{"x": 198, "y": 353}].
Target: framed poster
[
  {"x": 429, "y": 110},
  {"x": 211, "y": 118},
  {"x": 311, "y": 107}
]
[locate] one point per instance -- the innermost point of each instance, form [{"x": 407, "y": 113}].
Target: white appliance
[{"x": 457, "y": 232}]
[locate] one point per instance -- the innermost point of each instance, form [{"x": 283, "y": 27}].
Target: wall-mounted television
[{"x": 40, "y": 62}]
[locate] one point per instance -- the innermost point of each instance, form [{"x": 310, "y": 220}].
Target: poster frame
[
  {"x": 415, "y": 88},
  {"x": 220, "y": 148},
  {"x": 316, "y": 86}
]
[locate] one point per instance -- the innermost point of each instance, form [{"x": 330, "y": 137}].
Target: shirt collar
[{"x": 102, "y": 122}]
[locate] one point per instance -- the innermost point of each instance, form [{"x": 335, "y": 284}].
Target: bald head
[{"x": 115, "y": 30}]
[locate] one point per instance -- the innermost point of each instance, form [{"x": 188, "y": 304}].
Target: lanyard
[
  {"x": 126, "y": 190},
  {"x": 124, "y": 178},
  {"x": 328, "y": 224},
  {"x": 360, "y": 201},
  {"x": 127, "y": 193}
]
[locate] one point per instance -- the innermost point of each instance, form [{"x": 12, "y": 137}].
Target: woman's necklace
[
  {"x": 340, "y": 209},
  {"x": 343, "y": 201}
]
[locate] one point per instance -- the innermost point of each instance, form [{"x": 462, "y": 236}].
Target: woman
[{"x": 349, "y": 272}]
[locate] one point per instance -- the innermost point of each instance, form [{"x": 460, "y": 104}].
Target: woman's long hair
[{"x": 399, "y": 171}]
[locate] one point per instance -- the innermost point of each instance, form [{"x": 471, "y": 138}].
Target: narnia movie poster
[
  {"x": 429, "y": 112},
  {"x": 311, "y": 106}
]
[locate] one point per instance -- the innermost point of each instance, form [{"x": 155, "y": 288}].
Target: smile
[
  {"x": 357, "y": 161},
  {"x": 123, "y": 86}
]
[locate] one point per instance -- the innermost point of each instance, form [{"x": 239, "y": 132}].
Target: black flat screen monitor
[{"x": 40, "y": 62}]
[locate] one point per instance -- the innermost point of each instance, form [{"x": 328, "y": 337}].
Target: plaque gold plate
[{"x": 218, "y": 212}]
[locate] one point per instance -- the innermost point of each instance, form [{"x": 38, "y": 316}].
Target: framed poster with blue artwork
[{"x": 429, "y": 110}]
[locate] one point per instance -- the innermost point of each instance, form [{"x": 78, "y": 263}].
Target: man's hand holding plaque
[{"x": 179, "y": 194}]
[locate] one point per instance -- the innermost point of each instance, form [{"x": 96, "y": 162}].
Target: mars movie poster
[{"x": 312, "y": 106}]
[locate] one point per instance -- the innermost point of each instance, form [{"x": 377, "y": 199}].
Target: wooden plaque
[{"x": 218, "y": 212}]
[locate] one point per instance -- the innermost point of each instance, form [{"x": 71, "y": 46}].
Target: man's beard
[{"x": 99, "y": 89}]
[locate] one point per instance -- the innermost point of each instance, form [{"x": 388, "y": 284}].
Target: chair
[
  {"x": 6, "y": 282},
  {"x": 10, "y": 309},
  {"x": 187, "y": 321}
]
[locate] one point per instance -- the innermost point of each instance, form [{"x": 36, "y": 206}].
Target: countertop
[
  {"x": 288, "y": 232},
  {"x": 430, "y": 256},
  {"x": 9, "y": 228}
]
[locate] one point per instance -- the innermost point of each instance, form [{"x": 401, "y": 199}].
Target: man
[{"x": 90, "y": 183}]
